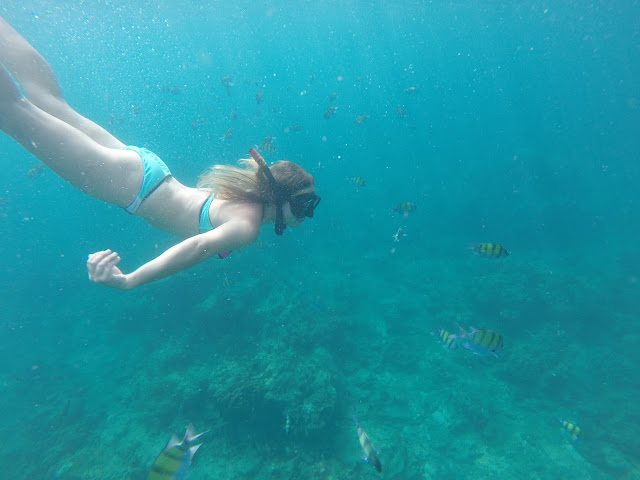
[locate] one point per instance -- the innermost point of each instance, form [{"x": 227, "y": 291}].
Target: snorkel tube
[{"x": 262, "y": 165}]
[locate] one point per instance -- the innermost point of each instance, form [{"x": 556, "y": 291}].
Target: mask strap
[{"x": 280, "y": 225}]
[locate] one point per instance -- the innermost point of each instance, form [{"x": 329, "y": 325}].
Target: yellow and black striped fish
[
  {"x": 492, "y": 250},
  {"x": 448, "y": 339},
  {"x": 480, "y": 342},
  {"x": 359, "y": 181},
  {"x": 227, "y": 135},
  {"x": 572, "y": 428},
  {"x": 328, "y": 113},
  {"x": 173, "y": 462},
  {"x": 267, "y": 145},
  {"x": 405, "y": 207}
]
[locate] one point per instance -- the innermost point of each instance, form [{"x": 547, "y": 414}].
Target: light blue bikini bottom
[{"x": 155, "y": 172}]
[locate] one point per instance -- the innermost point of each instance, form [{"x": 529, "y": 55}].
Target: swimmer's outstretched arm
[{"x": 103, "y": 269}]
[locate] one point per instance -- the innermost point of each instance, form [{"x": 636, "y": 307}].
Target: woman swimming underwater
[{"x": 224, "y": 213}]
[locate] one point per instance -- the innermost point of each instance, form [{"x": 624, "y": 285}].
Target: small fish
[
  {"x": 480, "y": 342},
  {"x": 328, "y": 113},
  {"x": 400, "y": 112},
  {"x": 36, "y": 171},
  {"x": 490, "y": 250},
  {"x": 333, "y": 96},
  {"x": 259, "y": 96},
  {"x": 398, "y": 235},
  {"x": 448, "y": 339},
  {"x": 287, "y": 422},
  {"x": 233, "y": 115},
  {"x": 572, "y": 428},
  {"x": 228, "y": 134},
  {"x": 175, "y": 90},
  {"x": 370, "y": 454},
  {"x": 267, "y": 145},
  {"x": 198, "y": 121},
  {"x": 405, "y": 207},
  {"x": 360, "y": 119},
  {"x": 226, "y": 81},
  {"x": 227, "y": 282},
  {"x": 113, "y": 119},
  {"x": 296, "y": 127},
  {"x": 173, "y": 462},
  {"x": 411, "y": 90},
  {"x": 359, "y": 181}
]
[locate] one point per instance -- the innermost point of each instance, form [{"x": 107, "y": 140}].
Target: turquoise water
[{"x": 520, "y": 127}]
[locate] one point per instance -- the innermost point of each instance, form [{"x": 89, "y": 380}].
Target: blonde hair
[{"x": 250, "y": 183}]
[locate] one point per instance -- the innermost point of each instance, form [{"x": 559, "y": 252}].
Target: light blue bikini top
[{"x": 205, "y": 223}]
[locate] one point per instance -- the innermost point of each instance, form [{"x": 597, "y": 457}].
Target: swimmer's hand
[{"x": 103, "y": 270}]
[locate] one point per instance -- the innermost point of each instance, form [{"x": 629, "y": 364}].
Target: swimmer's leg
[
  {"x": 39, "y": 83},
  {"x": 112, "y": 175}
]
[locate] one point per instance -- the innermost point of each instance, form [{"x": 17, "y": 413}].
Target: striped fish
[
  {"x": 370, "y": 454},
  {"x": 173, "y": 462},
  {"x": 359, "y": 181},
  {"x": 490, "y": 250},
  {"x": 480, "y": 342},
  {"x": 267, "y": 145},
  {"x": 572, "y": 428},
  {"x": 404, "y": 208},
  {"x": 328, "y": 113},
  {"x": 448, "y": 339}
]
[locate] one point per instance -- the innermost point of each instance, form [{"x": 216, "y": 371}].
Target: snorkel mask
[{"x": 302, "y": 205}]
